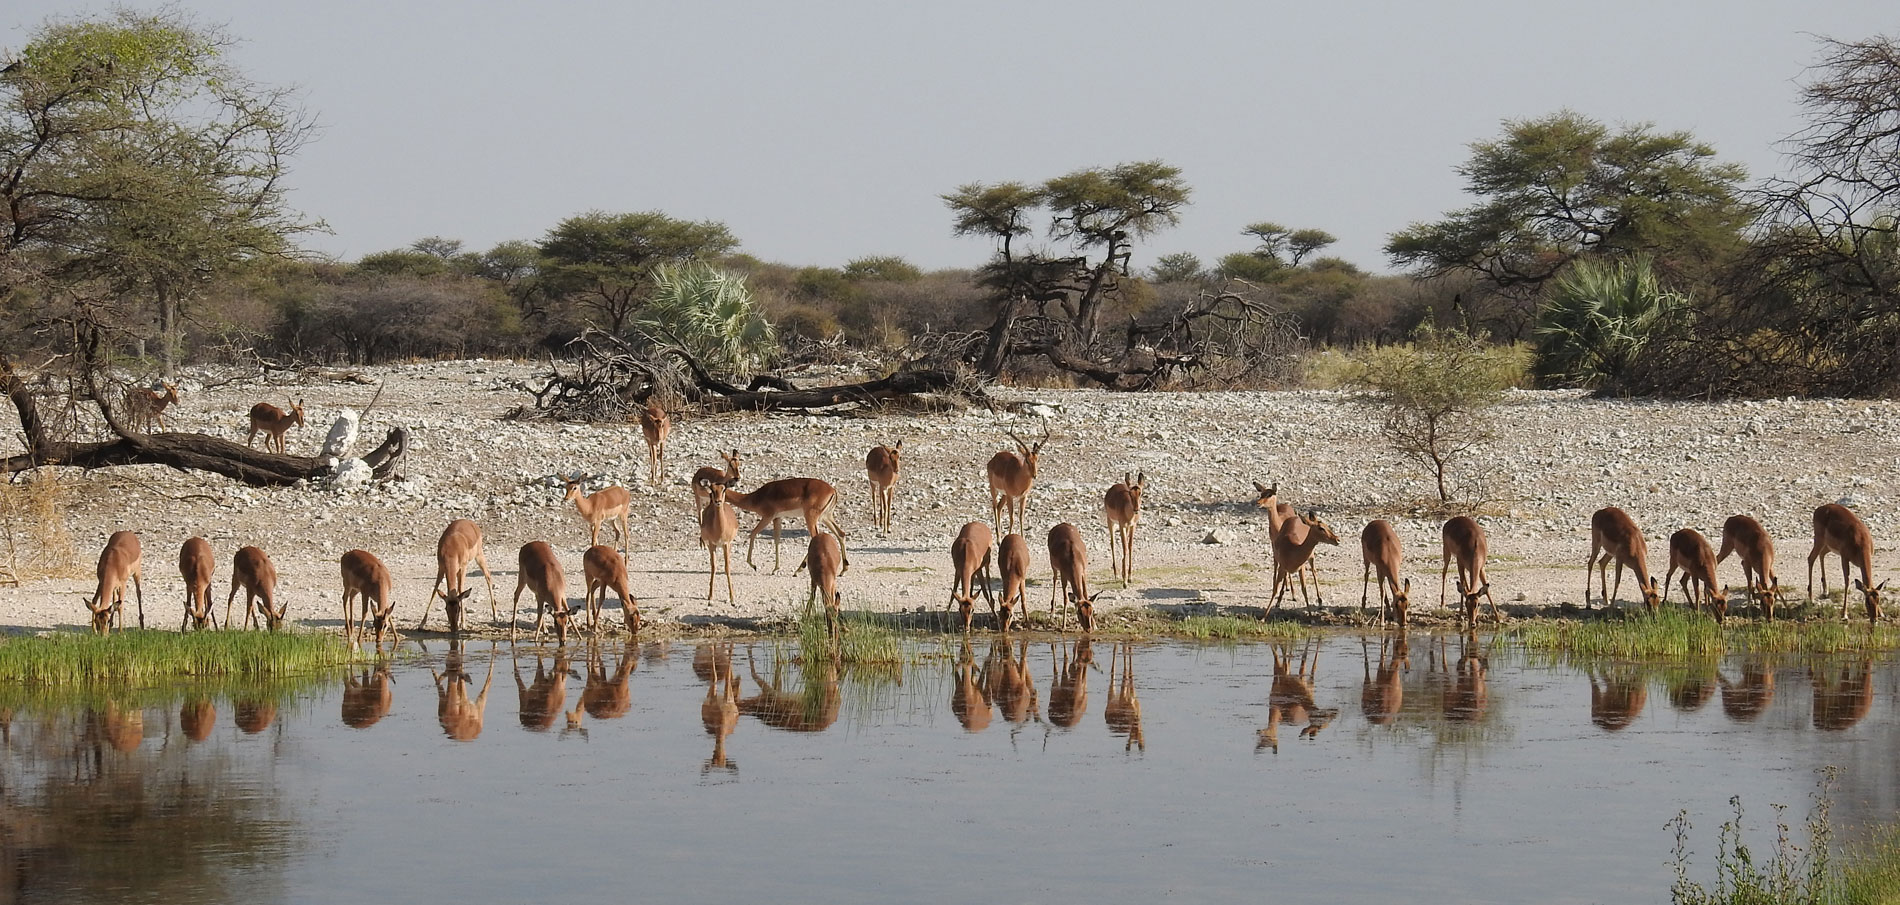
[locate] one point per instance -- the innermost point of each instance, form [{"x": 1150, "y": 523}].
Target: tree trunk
[
  {"x": 168, "y": 331},
  {"x": 996, "y": 347}
]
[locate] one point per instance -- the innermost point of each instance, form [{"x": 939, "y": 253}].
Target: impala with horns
[{"x": 1010, "y": 479}]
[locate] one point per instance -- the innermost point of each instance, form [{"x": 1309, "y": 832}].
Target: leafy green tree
[
  {"x": 1556, "y": 188},
  {"x": 1179, "y": 267},
  {"x": 710, "y": 314},
  {"x": 1597, "y": 319},
  {"x": 1248, "y": 266},
  {"x": 137, "y": 164},
  {"x": 606, "y": 262},
  {"x": 887, "y": 268},
  {"x": 1434, "y": 396},
  {"x": 1105, "y": 209}
]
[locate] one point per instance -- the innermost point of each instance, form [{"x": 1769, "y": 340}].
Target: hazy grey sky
[{"x": 825, "y": 132}]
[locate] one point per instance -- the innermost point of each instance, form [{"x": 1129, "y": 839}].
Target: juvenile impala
[
  {"x": 1689, "y": 551},
  {"x": 1379, "y": 544},
  {"x": 145, "y": 406},
  {"x": 195, "y": 565},
  {"x": 1010, "y": 478},
  {"x": 1289, "y": 555},
  {"x": 706, "y": 476},
  {"x": 606, "y": 570},
  {"x": 460, "y": 544},
  {"x": 1012, "y": 566},
  {"x": 718, "y": 526},
  {"x": 654, "y": 426},
  {"x": 1069, "y": 559},
  {"x": 365, "y": 577},
  {"x": 1839, "y": 531},
  {"x": 1746, "y": 538},
  {"x": 273, "y": 423},
  {"x": 1121, "y": 511},
  {"x": 540, "y": 573},
  {"x": 251, "y": 569},
  {"x": 1465, "y": 545},
  {"x": 776, "y": 500},
  {"x": 606, "y": 504},
  {"x": 823, "y": 556},
  {"x": 118, "y": 563},
  {"x": 1614, "y": 535},
  {"x": 970, "y": 570},
  {"x": 880, "y": 465}
]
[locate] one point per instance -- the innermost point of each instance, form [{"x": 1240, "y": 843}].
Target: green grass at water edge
[
  {"x": 1792, "y": 871},
  {"x": 866, "y": 641},
  {"x": 1677, "y": 633},
  {"x": 141, "y": 657},
  {"x": 1236, "y": 628}
]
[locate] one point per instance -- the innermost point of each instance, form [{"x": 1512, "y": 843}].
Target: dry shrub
[{"x": 37, "y": 542}]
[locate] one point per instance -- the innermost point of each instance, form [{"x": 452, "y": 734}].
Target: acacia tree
[
  {"x": 1553, "y": 189},
  {"x": 137, "y": 164},
  {"x": 605, "y": 262}
]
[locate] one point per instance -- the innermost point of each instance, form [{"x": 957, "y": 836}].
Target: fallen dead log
[{"x": 902, "y": 383}]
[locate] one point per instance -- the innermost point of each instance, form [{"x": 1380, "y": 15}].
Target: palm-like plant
[
  {"x": 711, "y": 314},
  {"x": 1598, "y": 318}
]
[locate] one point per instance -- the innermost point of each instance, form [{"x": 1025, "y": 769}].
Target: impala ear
[
  {"x": 1408, "y": 585},
  {"x": 1859, "y": 585}
]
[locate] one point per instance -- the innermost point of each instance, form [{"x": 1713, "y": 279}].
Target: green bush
[{"x": 1434, "y": 395}]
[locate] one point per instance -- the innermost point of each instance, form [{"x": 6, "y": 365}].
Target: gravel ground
[{"x": 1559, "y": 457}]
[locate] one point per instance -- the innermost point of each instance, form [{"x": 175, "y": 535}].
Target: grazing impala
[
  {"x": 1465, "y": 545},
  {"x": 1121, "y": 511},
  {"x": 1069, "y": 559},
  {"x": 540, "y": 572},
  {"x": 1689, "y": 551},
  {"x": 654, "y": 426},
  {"x": 118, "y": 563},
  {"x": 706, "y": 476},
  {"x": 274, "y": 423},
  {"x": 1012, "y": 565},
  {"x": 606, "y": 570},
  {"x": 460, "y": 544},
  {"x": 1379, "y": 544},
  {"x": 880, "y": 465},
  {"x": 1839, "y": 531},
  {"x": 1614, "y": 535},
  {"x": 1281, "y": 516},
  {"x": 606, "y": 504},
  {"x": 1746, "y": 538},
  {"x": 1010, "y": 478},
  {"x": 1289, "y": 555},
  {"x": 970, "y": 570},
  {"x": 366, "y": 577},
  {"x": 195, "y": 565},
  {"x": 718, "y": 525},
  {"x": 776, "y": 500},
  {"x": 145, "y": 407},
  {"x": 251, "y": 569},
  {"x": 823, "y": 557}
]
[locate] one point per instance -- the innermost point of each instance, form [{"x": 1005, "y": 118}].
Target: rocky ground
[{"x": 1202, "y": 544}]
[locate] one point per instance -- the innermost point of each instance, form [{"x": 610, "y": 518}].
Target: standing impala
[
  {"x": 1010, "y": 478},
  {"x": 1281, "y": 516},
  {"x": 119, "y": 562},
  {"x": 1121, "y": 511},
  {"x": 274, "y": 423},
  {"x": 718, "y": 526},
  {"x": 1290, "y": 554},
  {"x": 1379, "y": 544},
  {"x": 195, "y": 565},
  {"x": 540, "y": 572},
  {"x": 606, "y": 570},
  {"x": 251, "y": 569},
  {"x": 880, "y": 465},
  {"x": 605, "y": 504},
  {"x": 654, "y": 426},
  {"x": 1465, "y": 545},
  {"x": 1069, "y": 559},
  {"x": 706, "y": 476},
  {"x": 1839, "y": 531},
  {"x": 1614, "y": 535},
  {"x": 1012, "y": 566},
  {"x": 775, "y": 500},
  {"x": 970, "y": 570},
  {"x": 146, "y": 407},
  {"x": 1746, "y": 538},
  {"x": 365, "y": 577},
  {"x": 460, "y": 544},
  {"x": 1689, "y": 551}
]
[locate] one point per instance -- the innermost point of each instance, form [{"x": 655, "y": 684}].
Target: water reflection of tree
[{"x": 92, "y": 809}]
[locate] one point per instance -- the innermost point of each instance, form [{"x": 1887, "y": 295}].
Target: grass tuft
[
  {"x": 1235, "y": 628},
  {"x": 1682, "y": 634},
  {"x": 143, "y": 657}
]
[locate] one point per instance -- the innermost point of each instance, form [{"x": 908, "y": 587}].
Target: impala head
[
  {"x": 1401, "y": 600},
  {"x": 1085, "y": 612},
  {"x": 1031, "y": 452},
  {"x": 560, "y": 624},
  {"x": 1269, "y": 496},
  {"x": 732, "y": 460},
  {"x": 453, "y": 604},
  {"x": 1718, "y": 604},
  {"x": 1320, "y": 529},
  {"x": 1872, "y": 596},
  {"x": 1764, "y": 595},
  {"x": 170, "y": 396},
  {"x": 1652, "y": 597},
  {"x": 296, "y": 412},
  {"x": 101, "y": 615},
  {"x": 274, "y": 618},
  {"x": 1470, "y": 599}
]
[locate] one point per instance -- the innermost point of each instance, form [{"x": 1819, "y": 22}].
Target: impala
[
  {"x": 540, "y": 572},
  {"x": 460, "y": 544},
  {"x": 880, "y": 465},
  {"x": 146, "y": 407},
  {"x": 654, "y": 426},
  {"x": 1293, "y": 547},
  {"x": 1839, "y": 531},
  {"x": 365, "y": 577},
  {"x": 1379, "y": 544},
  {"x": 1614, "y": 535},
  {"x": 196, "y": 565},
  {"x": 273, "y": 423},
  {"x": 1465, "y": 545},
  {"x": 606, "y": 570},
  {"x": 119, "y": 562},
  {"x": 1010, "y": 478},
  {"x": 251, "y": 569},
  {"x": 1069, "y": 559},
  {"x": 1744, "y": 537},
  {"x": 1121, "y": 511},
  {"x": 607, "y": 503},
  {"x": 823, "y": 556},
  {"x": 1012, "y": 566},
  {"x": 1689, "y": 551},
  {"x": 970, "y": 570},
  {"x": 775, "y": 500}
]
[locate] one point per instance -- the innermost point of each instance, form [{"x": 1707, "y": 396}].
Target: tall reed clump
[
  {"x": 1672, "y": 632},
  {"x": 866, "y": 640},
  {"x": 1234, "y": 628},
  {"x": 33, "y": 532},
  {"x": 143, "y": 656}
]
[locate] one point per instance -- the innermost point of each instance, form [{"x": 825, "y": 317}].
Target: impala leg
[
  {"x": 1845, "y": 587},
  {"x": 712, "y": 568},
  {"x": 730, "y": 597},
  {"x": 1619, "y": 586},
  {"x": 482, "y": 563},
  {"x": 1672, "y": 574},
  {"x": 139, "y": 589},
  {"x": 1817, "y": 552}
]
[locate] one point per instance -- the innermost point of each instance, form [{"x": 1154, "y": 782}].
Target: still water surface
[{"x": 1037, "y": 771}]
